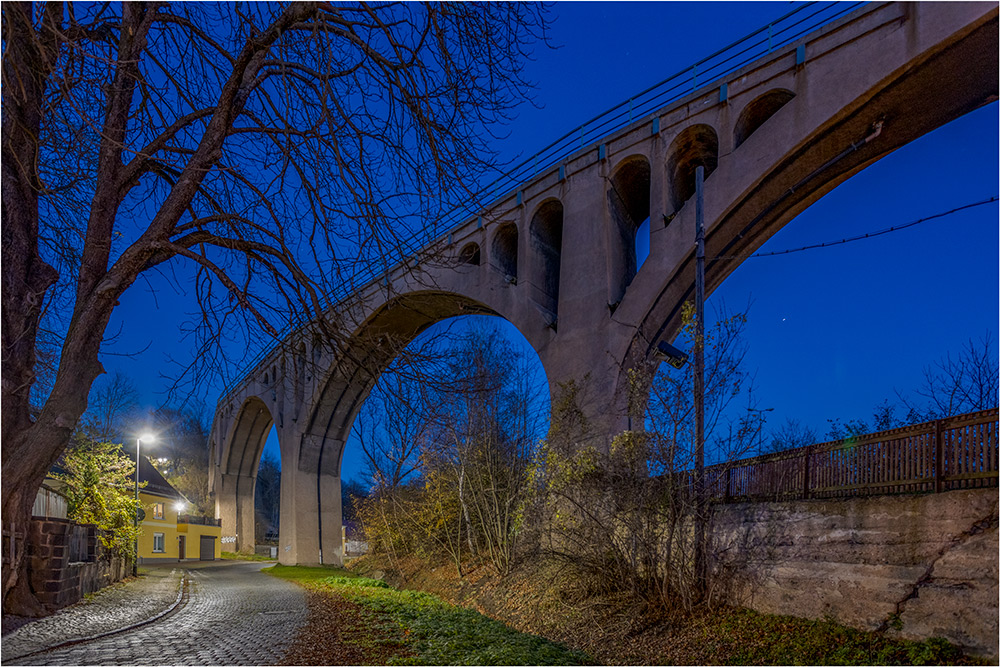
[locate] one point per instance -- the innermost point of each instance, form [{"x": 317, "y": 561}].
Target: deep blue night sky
[{"x": 832, "y": 332}]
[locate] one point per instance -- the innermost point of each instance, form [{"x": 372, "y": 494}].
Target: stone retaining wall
[
  {"x": 917, "y": 566},
  {"x": 60, "y": 572}
]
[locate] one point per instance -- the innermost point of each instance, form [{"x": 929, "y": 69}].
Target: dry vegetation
[{"x": 618, "y": 630}]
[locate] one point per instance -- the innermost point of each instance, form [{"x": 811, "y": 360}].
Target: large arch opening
[
  {"x": 628, "y": 205},
  {"x": 802, "y": 333},
  {"x": 362, "y": 361},
  {"x": 445, "y": 440},
  {"x": 236, "y": 487},
  {"x": 267, "y": 493},
  {"x": 757, "y": 112},
  {"x": 696, "y": 146},
  {"x": 546, "y": 239}
]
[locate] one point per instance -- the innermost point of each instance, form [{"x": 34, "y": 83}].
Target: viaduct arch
[{"x": 556, "y": 257}]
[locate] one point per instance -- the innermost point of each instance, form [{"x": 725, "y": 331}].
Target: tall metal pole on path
[
  {"x": 700, "y": 569},
  {"x": 135, "y": 526}
]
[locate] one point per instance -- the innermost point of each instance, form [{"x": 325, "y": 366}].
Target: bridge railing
[
  {"x": 953, "y": 453},
  {"x": 772, "y": 38},
  {"x": 768, "y": 39}
]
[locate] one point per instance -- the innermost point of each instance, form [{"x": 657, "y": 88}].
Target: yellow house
[{"x": 169, "y": 534}]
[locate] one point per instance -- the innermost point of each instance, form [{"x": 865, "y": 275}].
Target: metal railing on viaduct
[{"x": 952, "y": 453}]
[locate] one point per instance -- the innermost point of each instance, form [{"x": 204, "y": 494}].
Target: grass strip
[{"x": 433, "y": 631}]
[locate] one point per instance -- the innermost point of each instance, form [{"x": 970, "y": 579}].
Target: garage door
[{"x": 207, "y": 548}]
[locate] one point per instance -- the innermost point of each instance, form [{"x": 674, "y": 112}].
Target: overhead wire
[{"x": 861, "y": 237}]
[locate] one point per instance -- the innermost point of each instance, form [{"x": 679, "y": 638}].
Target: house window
[
  {"x": 158, "y": 543},
  {"x": 157, "y": 510}
]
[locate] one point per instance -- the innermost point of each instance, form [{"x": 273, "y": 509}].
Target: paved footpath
[{"x": 233, "y": 615}]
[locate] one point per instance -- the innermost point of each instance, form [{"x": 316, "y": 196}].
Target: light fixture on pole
[
  {"x": 670, "y": 354},
  {"x": 149, "y": 438}
]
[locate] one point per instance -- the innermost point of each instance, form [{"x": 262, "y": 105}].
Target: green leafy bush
[{"x": 100, "y": 490}]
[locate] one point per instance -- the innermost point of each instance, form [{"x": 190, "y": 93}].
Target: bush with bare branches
[
  {"x": 451, "y": 465},
  {"x": 623, "y": 519}
]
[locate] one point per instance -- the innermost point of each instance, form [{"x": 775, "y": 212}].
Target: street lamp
[
  {"x": 759, "y": 413},
  {"x": 149, "y": 438}
]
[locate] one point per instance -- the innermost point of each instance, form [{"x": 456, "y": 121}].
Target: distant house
[{"x": 169, "y": 533}]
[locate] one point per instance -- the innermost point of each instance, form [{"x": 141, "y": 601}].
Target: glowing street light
[{"x": 148, "y": 438}]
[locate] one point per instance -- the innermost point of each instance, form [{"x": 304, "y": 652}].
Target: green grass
[
  {"x": 305, "y": 574},
  {"x": 763, "y": 639},
  {"x": 435, "y": 632}
]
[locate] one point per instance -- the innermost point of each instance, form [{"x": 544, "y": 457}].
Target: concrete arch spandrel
[{"x": 818, "y": 139}]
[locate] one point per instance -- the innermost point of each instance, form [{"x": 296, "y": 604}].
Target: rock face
[{"x": 917, "y": 566}]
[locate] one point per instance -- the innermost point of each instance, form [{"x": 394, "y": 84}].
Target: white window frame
[
  {"x": 159, "y": 538},
  {"x": 158, "y": 510}
]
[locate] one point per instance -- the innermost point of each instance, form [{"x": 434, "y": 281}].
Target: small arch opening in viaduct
[
  {"x": 628, "y": 205},
  {"x": 505, "y": 251},
  {"x": 696, "y": 146},
  {"x": 469, "y": 254},
  {"x": 757, "y": 112},
  {"x": 546, "y": 239}
]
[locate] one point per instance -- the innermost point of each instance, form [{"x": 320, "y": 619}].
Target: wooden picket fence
[{"x": 953, "y": 453}]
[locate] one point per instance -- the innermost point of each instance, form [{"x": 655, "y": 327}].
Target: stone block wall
[
  {"x": 59, "y": 577},
  {"x": 915, "y": 566}
]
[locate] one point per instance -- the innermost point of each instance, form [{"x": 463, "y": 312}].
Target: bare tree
[
  {"x": 267, "y": 496},
  {"x": 391, "y": 426},
  {"x": 262, "y": 151},
  {"x": 951, "y": 386},
  {"x": 624, "y": 518},
  {"x": 181, "y": 452},
  {"x": 488, "y": 433},
  {"x": 111, "y": 404},
  {"x": 791, "y": 435},
  {"x": 449, "y": 435}
]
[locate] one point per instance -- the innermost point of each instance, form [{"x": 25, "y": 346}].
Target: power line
[{"x": 870, "y": 235}]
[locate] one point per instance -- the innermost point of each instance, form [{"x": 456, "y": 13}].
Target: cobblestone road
[
  {"x": 234, "y": 615},
  {"x": 110, "y": 609}
]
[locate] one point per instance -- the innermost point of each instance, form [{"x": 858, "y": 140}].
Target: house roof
[{"x": 156, "y": 485}]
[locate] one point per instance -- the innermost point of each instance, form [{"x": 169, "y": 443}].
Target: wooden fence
[{"x": 953, "y": 453}]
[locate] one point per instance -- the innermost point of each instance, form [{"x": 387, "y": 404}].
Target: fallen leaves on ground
[{"x": 339, "y": 632}]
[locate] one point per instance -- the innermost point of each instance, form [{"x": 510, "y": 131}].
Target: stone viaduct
[{"x": 556, "y": 257}]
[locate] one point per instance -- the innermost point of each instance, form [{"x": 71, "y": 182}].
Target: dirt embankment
[
  {"x": 544, "y": 601},
  {"x": 615, "y": 630}
]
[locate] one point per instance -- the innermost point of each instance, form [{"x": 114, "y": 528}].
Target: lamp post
[
  {"x": 145, "y": 437},
  {"x": 759, "y": 413}
]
